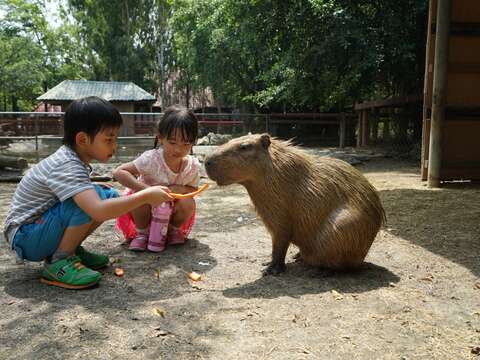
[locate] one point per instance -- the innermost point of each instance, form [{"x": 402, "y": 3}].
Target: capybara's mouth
[
  {"x": 213, "y": 172},
  {"x": 220, "y": 180}
]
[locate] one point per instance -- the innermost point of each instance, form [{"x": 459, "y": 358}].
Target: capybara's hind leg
[{"x": 342, "y": 242}]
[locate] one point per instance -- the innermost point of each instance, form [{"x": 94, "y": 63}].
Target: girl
[{"x": 170, "y": 165}]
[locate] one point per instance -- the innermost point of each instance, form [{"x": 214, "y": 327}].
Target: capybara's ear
[{"x": 265, "y": 140}]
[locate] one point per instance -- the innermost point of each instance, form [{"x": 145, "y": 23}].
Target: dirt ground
[{"x": 417, "y": 298}]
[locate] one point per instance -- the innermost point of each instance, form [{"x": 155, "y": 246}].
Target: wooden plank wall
[{"x": 461, "y": 134}]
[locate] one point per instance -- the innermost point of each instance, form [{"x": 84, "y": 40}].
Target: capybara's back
[{"x": 324, "y": 206}]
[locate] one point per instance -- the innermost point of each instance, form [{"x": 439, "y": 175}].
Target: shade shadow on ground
[
  {"x": 300, "y": 280},
  {"x": 445, "y": 221}
]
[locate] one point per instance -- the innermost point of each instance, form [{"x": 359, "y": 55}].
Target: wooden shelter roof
[{"x": 69, "y": 90}]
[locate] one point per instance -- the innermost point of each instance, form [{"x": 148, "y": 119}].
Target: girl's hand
[
  {"x": 181, "y": 189},
  {"x": 157, "y": 195}
]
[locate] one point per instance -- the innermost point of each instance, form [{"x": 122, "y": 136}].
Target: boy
[{"x": 56, "y": 206}]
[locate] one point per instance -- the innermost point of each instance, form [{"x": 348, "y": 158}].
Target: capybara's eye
[{"x": 245, "y": 146}]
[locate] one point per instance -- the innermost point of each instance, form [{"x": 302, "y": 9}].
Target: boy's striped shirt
[{"x": 55, "y": 178}]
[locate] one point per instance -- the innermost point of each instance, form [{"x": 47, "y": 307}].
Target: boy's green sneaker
[
  {"x": 91, "y": 260},
  {"x": 69, "y": 273}
]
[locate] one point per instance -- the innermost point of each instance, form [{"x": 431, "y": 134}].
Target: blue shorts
[{"x": 40, "y": 239}]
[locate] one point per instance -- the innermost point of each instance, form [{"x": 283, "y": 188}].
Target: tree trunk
[
  {"x": 187, "y": 94},
  {"x": 14, "y": 103},
  {"x": 13, "y": 162}
]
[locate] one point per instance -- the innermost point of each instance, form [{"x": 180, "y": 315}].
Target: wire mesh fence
[
  {"x": 396, "y": 127},
  {"x": 35, "y": 135}
]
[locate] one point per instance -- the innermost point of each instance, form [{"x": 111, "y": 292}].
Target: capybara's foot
[{"x": 274, "y": 269}]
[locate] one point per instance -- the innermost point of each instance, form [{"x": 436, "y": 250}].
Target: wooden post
[
  {"x": 402, "y": 118},
  {"x": 342, "y": 130},
  {"x": 444, "y": 8},
  {"x": 374, "y": 125},
  {"x": 365, "y": 128},
  {"x": 359, "y": 128},
  {"x": 386, "y": 125}
]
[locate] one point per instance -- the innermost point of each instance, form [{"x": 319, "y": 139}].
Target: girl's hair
[{"x": 178, "y": 117}]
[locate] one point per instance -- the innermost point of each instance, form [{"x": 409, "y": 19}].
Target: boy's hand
[{"x": 157, "y": 195}]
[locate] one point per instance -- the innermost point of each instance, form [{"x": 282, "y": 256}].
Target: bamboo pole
[{"x": 439, "y": 91}]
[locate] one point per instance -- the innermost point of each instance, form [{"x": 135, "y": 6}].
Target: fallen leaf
[
  {"x": 194, "y": 276},
  {"x": 119, "y": 271},
  {"x": 115, "y": 261},
  {"x": 157, "y": 273},
  {"x": 163, "y": 333},
  {"x": 476, "y": 313},
  {"x": 477, "y": 285},
  {"x": 337, "y": 295},
  {"x": 159, "y": 312},
  {"x": 427, "y": 278}
]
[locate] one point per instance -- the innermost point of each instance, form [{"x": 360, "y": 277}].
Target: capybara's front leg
[{"x": 279, "y": 251}]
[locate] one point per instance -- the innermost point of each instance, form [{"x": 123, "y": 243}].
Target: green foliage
[
  {"x": 315, "y": 55},
  {"x": 125, "y": 36},
  {"x": 36, "y": 56},
  {"x": 20, "y": 72},
  {"x": 258, "y": 55}
]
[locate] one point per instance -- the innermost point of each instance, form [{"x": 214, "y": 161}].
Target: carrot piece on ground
[{"x": 194, "y": 276}]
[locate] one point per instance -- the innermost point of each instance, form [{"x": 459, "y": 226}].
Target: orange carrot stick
[{"x": 189, "y": 195}]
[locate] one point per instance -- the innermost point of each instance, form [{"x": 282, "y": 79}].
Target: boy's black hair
[
  {"x": 178, "y": 117},
  {"x": 90, "y": 115}
]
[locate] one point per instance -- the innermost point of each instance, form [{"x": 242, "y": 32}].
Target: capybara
[{"x": 324, "y": 206}]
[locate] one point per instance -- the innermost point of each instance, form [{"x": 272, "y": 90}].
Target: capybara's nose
[{"x": 208, "y": 162}]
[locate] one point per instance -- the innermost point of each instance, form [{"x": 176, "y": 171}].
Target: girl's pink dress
[{"x": 154, "y": 171}]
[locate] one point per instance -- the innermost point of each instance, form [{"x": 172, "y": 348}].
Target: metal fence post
[{"x": 36, "y": 139}]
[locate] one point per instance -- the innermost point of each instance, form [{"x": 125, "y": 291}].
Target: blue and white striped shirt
[{"x": 56, "y": 178}]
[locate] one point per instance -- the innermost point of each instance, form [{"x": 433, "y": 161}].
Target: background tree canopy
[{"x": 257, "y": 55}]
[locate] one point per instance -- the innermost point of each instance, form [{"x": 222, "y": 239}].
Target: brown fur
[{"x": 326, "y": 207}]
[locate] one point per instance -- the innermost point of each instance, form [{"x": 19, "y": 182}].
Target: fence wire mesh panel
[
  {"x": 393, "y": 124},
  {"x": 37, "y": 135}
]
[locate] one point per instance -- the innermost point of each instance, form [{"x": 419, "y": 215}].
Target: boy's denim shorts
[{"x": 40, "y": 239}]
